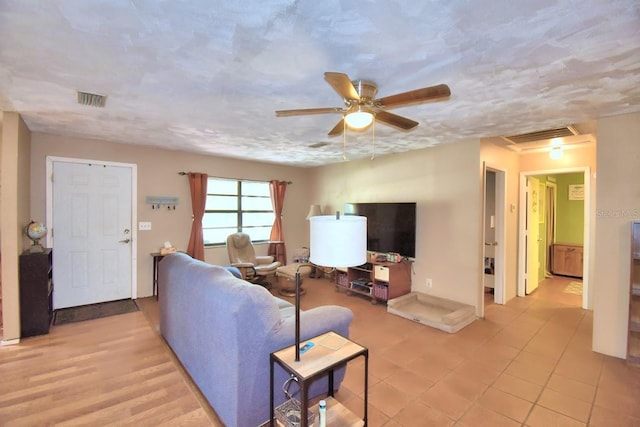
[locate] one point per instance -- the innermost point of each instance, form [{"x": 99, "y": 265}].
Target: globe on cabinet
[{"x": 35, "y": 231}]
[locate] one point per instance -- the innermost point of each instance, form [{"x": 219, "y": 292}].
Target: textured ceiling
[{"x": 206, "y": 76}]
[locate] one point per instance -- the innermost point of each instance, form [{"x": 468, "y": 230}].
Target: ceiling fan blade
[
  {"x": 304, "y": 111},
  {"x": 341, "y": 83},
  {"x": 395, "y": 120},
  {"x": 431, "y": 93},
  {"x": 337, "y": 129}
]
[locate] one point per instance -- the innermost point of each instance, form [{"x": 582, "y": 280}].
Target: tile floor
[{"x": 527, "y": 363}]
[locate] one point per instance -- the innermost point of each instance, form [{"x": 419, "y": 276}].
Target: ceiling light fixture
[
  {"x": 359, "y": 119},
  {"x": 371, "y": 122},
  {"x": 556, "y": 153}
]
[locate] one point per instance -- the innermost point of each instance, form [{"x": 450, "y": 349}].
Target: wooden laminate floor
[
  {"x": 527, "y": 363},
  {"x": 114, "y": 371}
]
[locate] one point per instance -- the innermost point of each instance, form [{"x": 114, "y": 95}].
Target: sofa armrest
[{"x": 313, "y": 322}]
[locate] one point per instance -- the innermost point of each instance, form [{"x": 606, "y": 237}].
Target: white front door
[{"x": 92, "y": 233}]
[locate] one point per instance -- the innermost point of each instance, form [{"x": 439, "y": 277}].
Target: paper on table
[{"x": 332, "y": 341}]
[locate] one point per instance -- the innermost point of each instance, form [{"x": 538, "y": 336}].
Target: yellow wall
[
  {"x": 15, "y": 176},
  {"x": 569, "y": 213},
  {"x": 158, "y": 176},
  {"x": 617, "y": 205}
]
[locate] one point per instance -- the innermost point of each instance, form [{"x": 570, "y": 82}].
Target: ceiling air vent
[
  {"x": 544, "y": 139},
  {"x": 542, "y": 135},
  {"x": 91, "y": 99}
]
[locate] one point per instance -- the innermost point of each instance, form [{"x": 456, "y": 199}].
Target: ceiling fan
[{"x": 361, "y": 104}]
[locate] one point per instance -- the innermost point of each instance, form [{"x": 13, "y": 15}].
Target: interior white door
[
  {"x": 92, "y": 220},
  {"x": 490, "y": 242},
  {"x": 533, "y": 234},
  {"x": 494, "y": 213}
]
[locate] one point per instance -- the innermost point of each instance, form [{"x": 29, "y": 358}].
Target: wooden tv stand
[{"x": 380, "y": 281}]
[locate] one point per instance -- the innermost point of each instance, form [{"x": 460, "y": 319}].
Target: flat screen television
[{"x": 391, "y": 227}]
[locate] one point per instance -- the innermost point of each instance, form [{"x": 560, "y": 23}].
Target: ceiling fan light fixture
[
  {"x": 359, "y": 119},
  {"x": 361, "y": 107}
]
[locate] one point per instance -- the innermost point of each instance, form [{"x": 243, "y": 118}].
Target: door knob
[{"x": 127, "y": 240}]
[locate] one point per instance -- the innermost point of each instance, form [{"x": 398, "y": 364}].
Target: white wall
[
  {"x": 14, "y": 175},
  {"x": 445, "y": 182},
  {"x": 618, "y": 203},
  {"x": 507, "y": 160},
  {"x": 158, "y": 176}
]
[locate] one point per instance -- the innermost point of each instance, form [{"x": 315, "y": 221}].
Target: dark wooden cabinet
[
  {"x": 633, "y": 332},
  {"x": 381, "y": 281},
  {"x": 36, "y": 293}
]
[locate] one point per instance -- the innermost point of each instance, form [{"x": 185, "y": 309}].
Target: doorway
[
  {"x": 536, "y": 242},
  {"x": 493, "y": 236},
  {"x": 91, "y": 205}
]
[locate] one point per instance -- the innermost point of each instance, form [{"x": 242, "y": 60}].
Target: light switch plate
[{"x": 144, "y": 225}]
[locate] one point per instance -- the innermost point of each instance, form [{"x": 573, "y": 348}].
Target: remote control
[{"x": 306, "y": 347}]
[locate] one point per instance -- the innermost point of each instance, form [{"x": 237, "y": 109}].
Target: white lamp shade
[{"x": 338, "y": 242}]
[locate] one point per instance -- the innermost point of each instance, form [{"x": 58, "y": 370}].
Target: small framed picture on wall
[{"x": 576, "y": 192}]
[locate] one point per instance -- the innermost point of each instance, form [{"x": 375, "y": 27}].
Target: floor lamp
[{"x": 335, "y": 242}]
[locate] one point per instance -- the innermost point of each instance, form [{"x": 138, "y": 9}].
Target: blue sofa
[{"x": 222, "y": 329}]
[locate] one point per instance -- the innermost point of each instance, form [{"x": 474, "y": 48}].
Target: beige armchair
[{"x": 242, "y": 255}]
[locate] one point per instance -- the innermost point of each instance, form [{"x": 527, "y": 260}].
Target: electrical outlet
[
  {"x": 429, "y": 283},
  {"x": 144, "y": 225}
]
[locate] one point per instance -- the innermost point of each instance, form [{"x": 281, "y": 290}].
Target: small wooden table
[
  {"x": 331, "y": 351},
  {"x": 157, "y": 257}
]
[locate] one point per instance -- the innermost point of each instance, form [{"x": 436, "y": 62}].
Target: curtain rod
[{"x": 225, "y": 177}]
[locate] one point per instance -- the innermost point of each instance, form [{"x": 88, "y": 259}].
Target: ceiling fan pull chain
[
  {"x": 344, "y": 140},
  {"x": 373, "y": 140}
]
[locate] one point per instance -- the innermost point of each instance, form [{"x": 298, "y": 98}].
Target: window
[{"x": 234, "y": 206}]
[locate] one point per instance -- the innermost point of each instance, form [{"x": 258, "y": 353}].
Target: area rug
[
  {"x": 93, "y": 311},
  {"x": 574, "y": 288}
]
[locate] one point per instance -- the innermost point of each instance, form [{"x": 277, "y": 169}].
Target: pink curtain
[
  {"x": 277, "y": 190},
  {"x": 198, "y": 184}
]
